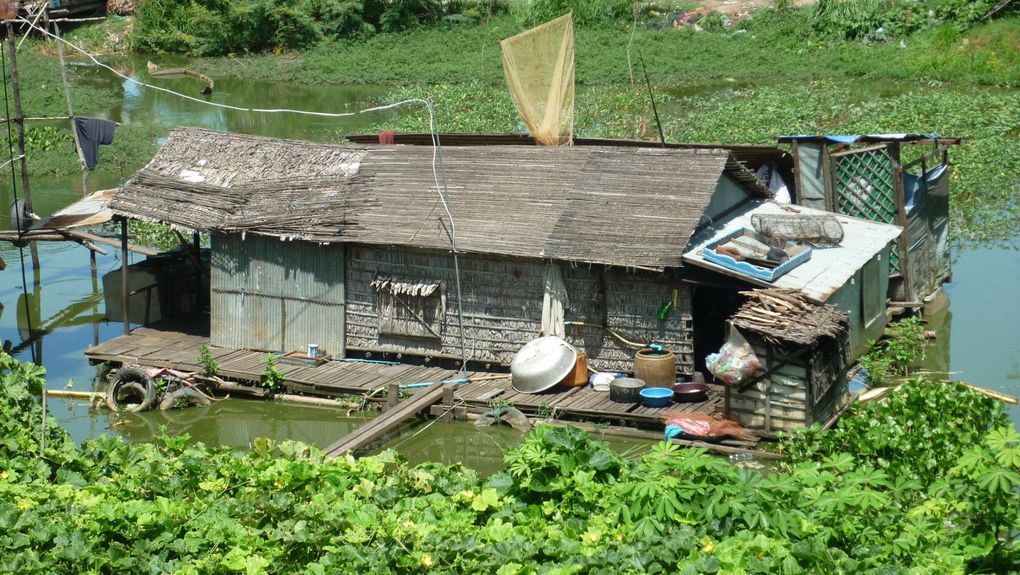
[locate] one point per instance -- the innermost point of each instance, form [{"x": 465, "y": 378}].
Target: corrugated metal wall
[
  {"x": 273, "y": 295},
  {"x": 503, "y": 307}
]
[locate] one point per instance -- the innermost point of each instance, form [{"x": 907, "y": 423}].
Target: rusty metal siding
[{"x": 275, "y": 295}]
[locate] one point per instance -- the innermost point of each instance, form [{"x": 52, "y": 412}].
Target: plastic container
[
  {"x": 313, "y": 350},
  {"x": 656, "y": 396},
  {"x": 579, "y": 376},
  {"x": 655, "y": 368}
]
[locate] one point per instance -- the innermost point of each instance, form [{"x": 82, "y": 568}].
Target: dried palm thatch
[
  {"x": 120, "y": 7},
  {"x": 632, "y": 207},
  {"x": 788, "y": 316}
]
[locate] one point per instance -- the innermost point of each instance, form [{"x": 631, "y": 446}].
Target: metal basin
[
  {"x": 625, "y": 390},
  {"x": 541, "y": 364},
  {"x": 690, "y": 392}
]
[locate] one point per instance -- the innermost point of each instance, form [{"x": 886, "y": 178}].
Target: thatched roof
[
  {"x": 633, "y": 207},
  {"x": 788, "y": 316}
]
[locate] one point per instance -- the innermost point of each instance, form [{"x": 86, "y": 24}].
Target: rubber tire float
[{"x": 136, "y": 381}]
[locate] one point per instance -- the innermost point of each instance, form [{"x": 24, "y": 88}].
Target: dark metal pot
[
  {"x": 690, "y": 392},
  {"x": 626, "y": 390}
]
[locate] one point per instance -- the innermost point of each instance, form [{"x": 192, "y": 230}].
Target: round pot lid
[{"x": 541, "y": 364}]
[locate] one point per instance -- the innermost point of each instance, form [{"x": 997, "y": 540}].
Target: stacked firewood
[
  {"x": 788, "y": 315},
  {"x": 772, "y": 309}
]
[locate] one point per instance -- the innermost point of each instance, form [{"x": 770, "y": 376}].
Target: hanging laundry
[{"x": 91, "y": 133}]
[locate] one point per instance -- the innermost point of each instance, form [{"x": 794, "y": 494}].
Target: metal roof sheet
[{"x": 829, "y": 267}]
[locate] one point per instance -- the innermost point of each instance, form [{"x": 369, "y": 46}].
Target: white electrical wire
[
  {"x": 206, "y": 102},
  {"x": 432, "y": 131}
]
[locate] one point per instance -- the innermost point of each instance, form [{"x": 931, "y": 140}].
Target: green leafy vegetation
[
  {"x": 214, "y": 27},
  {"x": 272, "y": 377},
  {"x": 894, "y": 356},
  {"x": 210, "y": 366},
  {"x": 565, "y": 503}
]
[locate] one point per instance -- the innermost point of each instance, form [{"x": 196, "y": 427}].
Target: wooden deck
[{"x": 178, "y": 349}]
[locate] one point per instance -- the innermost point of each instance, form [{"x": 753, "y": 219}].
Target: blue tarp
[
  {"x": 913, "y": 186},
  {"x": 854, "y": 138}
]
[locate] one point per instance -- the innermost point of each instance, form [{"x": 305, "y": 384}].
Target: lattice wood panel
[{"x": 864, "y": 186}]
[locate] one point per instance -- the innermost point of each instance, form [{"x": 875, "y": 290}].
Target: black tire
[
  {"x": 184, "y": 396},
  {"x": 137, "y": 383}
]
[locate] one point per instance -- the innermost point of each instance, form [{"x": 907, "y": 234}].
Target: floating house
[{"x": 352, "y": 247}]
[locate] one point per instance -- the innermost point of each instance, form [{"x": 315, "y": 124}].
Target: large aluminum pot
[{"x": 541, "y": 364}]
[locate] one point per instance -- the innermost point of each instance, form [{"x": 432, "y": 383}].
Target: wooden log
[
  {"x": 233, "y": 388},
  {"x": 305, "y": 400}
]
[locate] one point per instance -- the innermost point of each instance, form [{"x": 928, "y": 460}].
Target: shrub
[{"x": 586, "y": 12}]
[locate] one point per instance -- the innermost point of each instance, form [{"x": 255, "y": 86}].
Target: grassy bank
[
  {"x": 49, "y": 145},
  {"x": 773, "y": 47}
]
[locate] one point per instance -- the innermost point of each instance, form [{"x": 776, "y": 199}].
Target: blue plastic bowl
[{"x": 657, "y": 396}]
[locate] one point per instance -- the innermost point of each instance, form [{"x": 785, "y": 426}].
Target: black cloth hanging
[{"x": 91, "y": 133}]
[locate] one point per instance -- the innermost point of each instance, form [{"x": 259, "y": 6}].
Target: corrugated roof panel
[{"x": 826, "y": 271}]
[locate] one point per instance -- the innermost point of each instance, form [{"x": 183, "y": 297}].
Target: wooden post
[
  {"x": 19, "y": 126},
  {"x": 124, "y": 273},
  {"x": 95, "y": 292},
  {"x": 392, "y": 395},
  {"x": 70, "y": 109},
  {"x": 448, "y": 404}
]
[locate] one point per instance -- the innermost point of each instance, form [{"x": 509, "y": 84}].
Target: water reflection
[
  {"x": 146, "y": 105},
  {"x": 231, "y": 422},
  {"x": 479, "y": 448}
]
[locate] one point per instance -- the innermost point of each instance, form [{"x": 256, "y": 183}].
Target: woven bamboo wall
[{"x": 503, "y": 307}]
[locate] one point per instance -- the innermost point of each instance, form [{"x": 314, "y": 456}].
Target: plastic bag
[{"x": 735, "y": 362}]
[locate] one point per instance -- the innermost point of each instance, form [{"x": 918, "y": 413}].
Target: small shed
[
  {"x": 362, "y": 248},
  {"x": 853, "y": 275},
  {"x": 804, "y": 350},
  {"x": 900, "y": 179}
]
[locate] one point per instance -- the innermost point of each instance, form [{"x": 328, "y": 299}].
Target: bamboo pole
[
  {"x": 67, "y": 98},
  {"x": 124, "y": 274},
  {"x": 69, "y": 394}
]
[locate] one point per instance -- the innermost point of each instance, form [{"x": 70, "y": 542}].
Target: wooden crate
[{"x": 802, "y": 391}]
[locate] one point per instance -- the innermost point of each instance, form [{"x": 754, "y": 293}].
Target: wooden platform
[{"x": 178, "y": 349}]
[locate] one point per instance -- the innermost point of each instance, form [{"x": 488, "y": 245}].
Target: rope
[
  {"x": 459, "y": 402},
  {"x": 17, "y": 212}
]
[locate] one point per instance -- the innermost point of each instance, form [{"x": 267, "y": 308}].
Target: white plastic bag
[{"x": 735, "y": 362}]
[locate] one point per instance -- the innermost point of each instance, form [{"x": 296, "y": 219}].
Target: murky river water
[{"x": 58, "y": 311}]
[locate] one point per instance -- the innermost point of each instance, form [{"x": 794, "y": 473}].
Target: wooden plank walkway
[
  {"x": 386, "y": 422},
  {"x": 177, "y": 349}
]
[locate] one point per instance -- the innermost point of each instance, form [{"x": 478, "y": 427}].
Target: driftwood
[{"x": 158, "y": 71}]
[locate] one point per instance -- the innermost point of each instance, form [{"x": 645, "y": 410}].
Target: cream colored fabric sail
[{"x": 539, "y": 69}]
